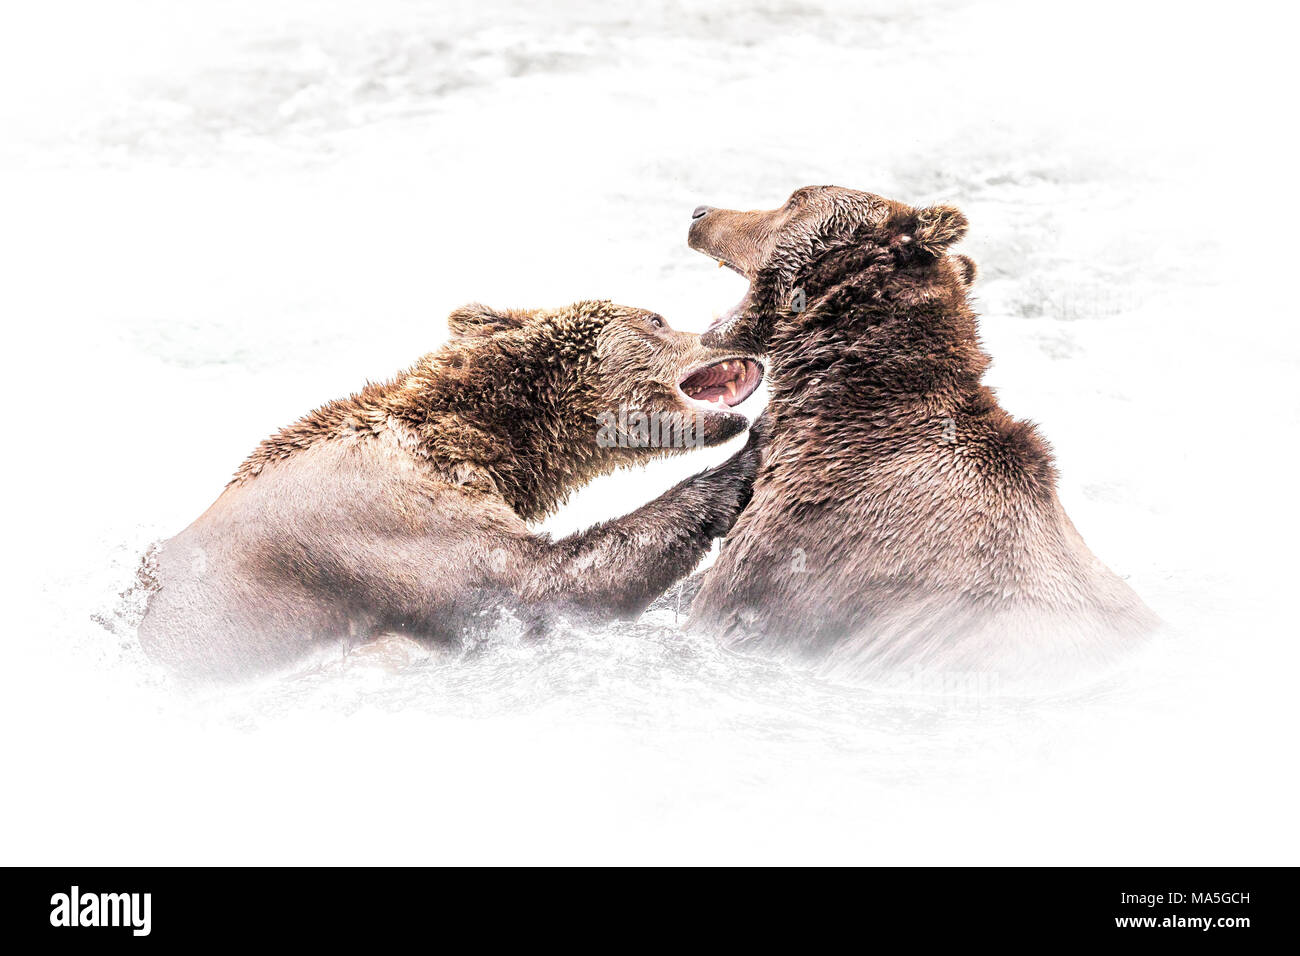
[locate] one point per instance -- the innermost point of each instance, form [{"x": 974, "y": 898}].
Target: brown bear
[
  {"x": 404, "y": 507},
  {"x": 901, "y": 520}
]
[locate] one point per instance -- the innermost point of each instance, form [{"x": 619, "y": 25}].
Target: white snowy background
[{"x": 214, "y": 216}]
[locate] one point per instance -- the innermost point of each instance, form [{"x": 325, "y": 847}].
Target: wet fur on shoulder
[{"x": 508, "y": 404}]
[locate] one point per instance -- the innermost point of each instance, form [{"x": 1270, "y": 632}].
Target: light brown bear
[
  {"x": 901, "y": 520},
  {"x": 405, "y": 507}
]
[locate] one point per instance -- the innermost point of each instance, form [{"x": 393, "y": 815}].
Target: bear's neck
[
  {"x": 895, "y": 376},
  {"x": 519, "y": 421},
  {"x": 884, "y": 363}
]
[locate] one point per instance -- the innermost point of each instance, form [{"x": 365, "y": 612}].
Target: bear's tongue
[{"x": 724, "y": 383}]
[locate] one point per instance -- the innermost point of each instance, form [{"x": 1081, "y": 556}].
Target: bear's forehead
[
  {"x": 604, "y": 309},
  {"x": 613, "y": 313},
  {"x": 839, "y": 202},
  {"x": 592, "y": 322},
  {"x": 817, "y": 215}
]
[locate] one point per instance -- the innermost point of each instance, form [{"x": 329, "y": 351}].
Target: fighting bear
[
  {"x": 901, "y": 520},
  {"x": 404, "y": 507}
]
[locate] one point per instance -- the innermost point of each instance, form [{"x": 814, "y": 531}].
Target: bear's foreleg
[{"x": 616, "y": 568}]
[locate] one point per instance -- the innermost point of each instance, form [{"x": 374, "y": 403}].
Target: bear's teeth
[{"x": 721, "y": 263}]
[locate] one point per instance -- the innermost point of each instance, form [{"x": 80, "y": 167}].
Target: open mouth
[{"x": 723, "y": 384}]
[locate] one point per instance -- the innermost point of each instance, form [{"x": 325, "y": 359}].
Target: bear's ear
[
  {"x": 478, "y": 319},
  {"x": 966, "y": 270},
  {"x": 938, "y": 227}
]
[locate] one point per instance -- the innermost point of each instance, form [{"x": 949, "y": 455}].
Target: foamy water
[{"x": 217, "y": 219}]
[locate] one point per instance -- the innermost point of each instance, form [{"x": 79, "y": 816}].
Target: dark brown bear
[
  {"x": 901, "y": 520},
  {"x": 403, "y": 508}
]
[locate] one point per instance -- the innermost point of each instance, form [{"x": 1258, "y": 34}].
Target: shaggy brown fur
[
  {"x": 901, "y": 519},
  {"x": 403, "y": 507}
]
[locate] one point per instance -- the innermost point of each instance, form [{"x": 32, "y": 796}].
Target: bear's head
[
  {"x": 776, "y": 249},
  {"x": 584, "y": 389}
]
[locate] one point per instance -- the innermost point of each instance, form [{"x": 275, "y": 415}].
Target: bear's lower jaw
[
  {"x": 722, "y": 385},
  {"x": 720, "y": 330},
  {"x": 723, "y": 320}
]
